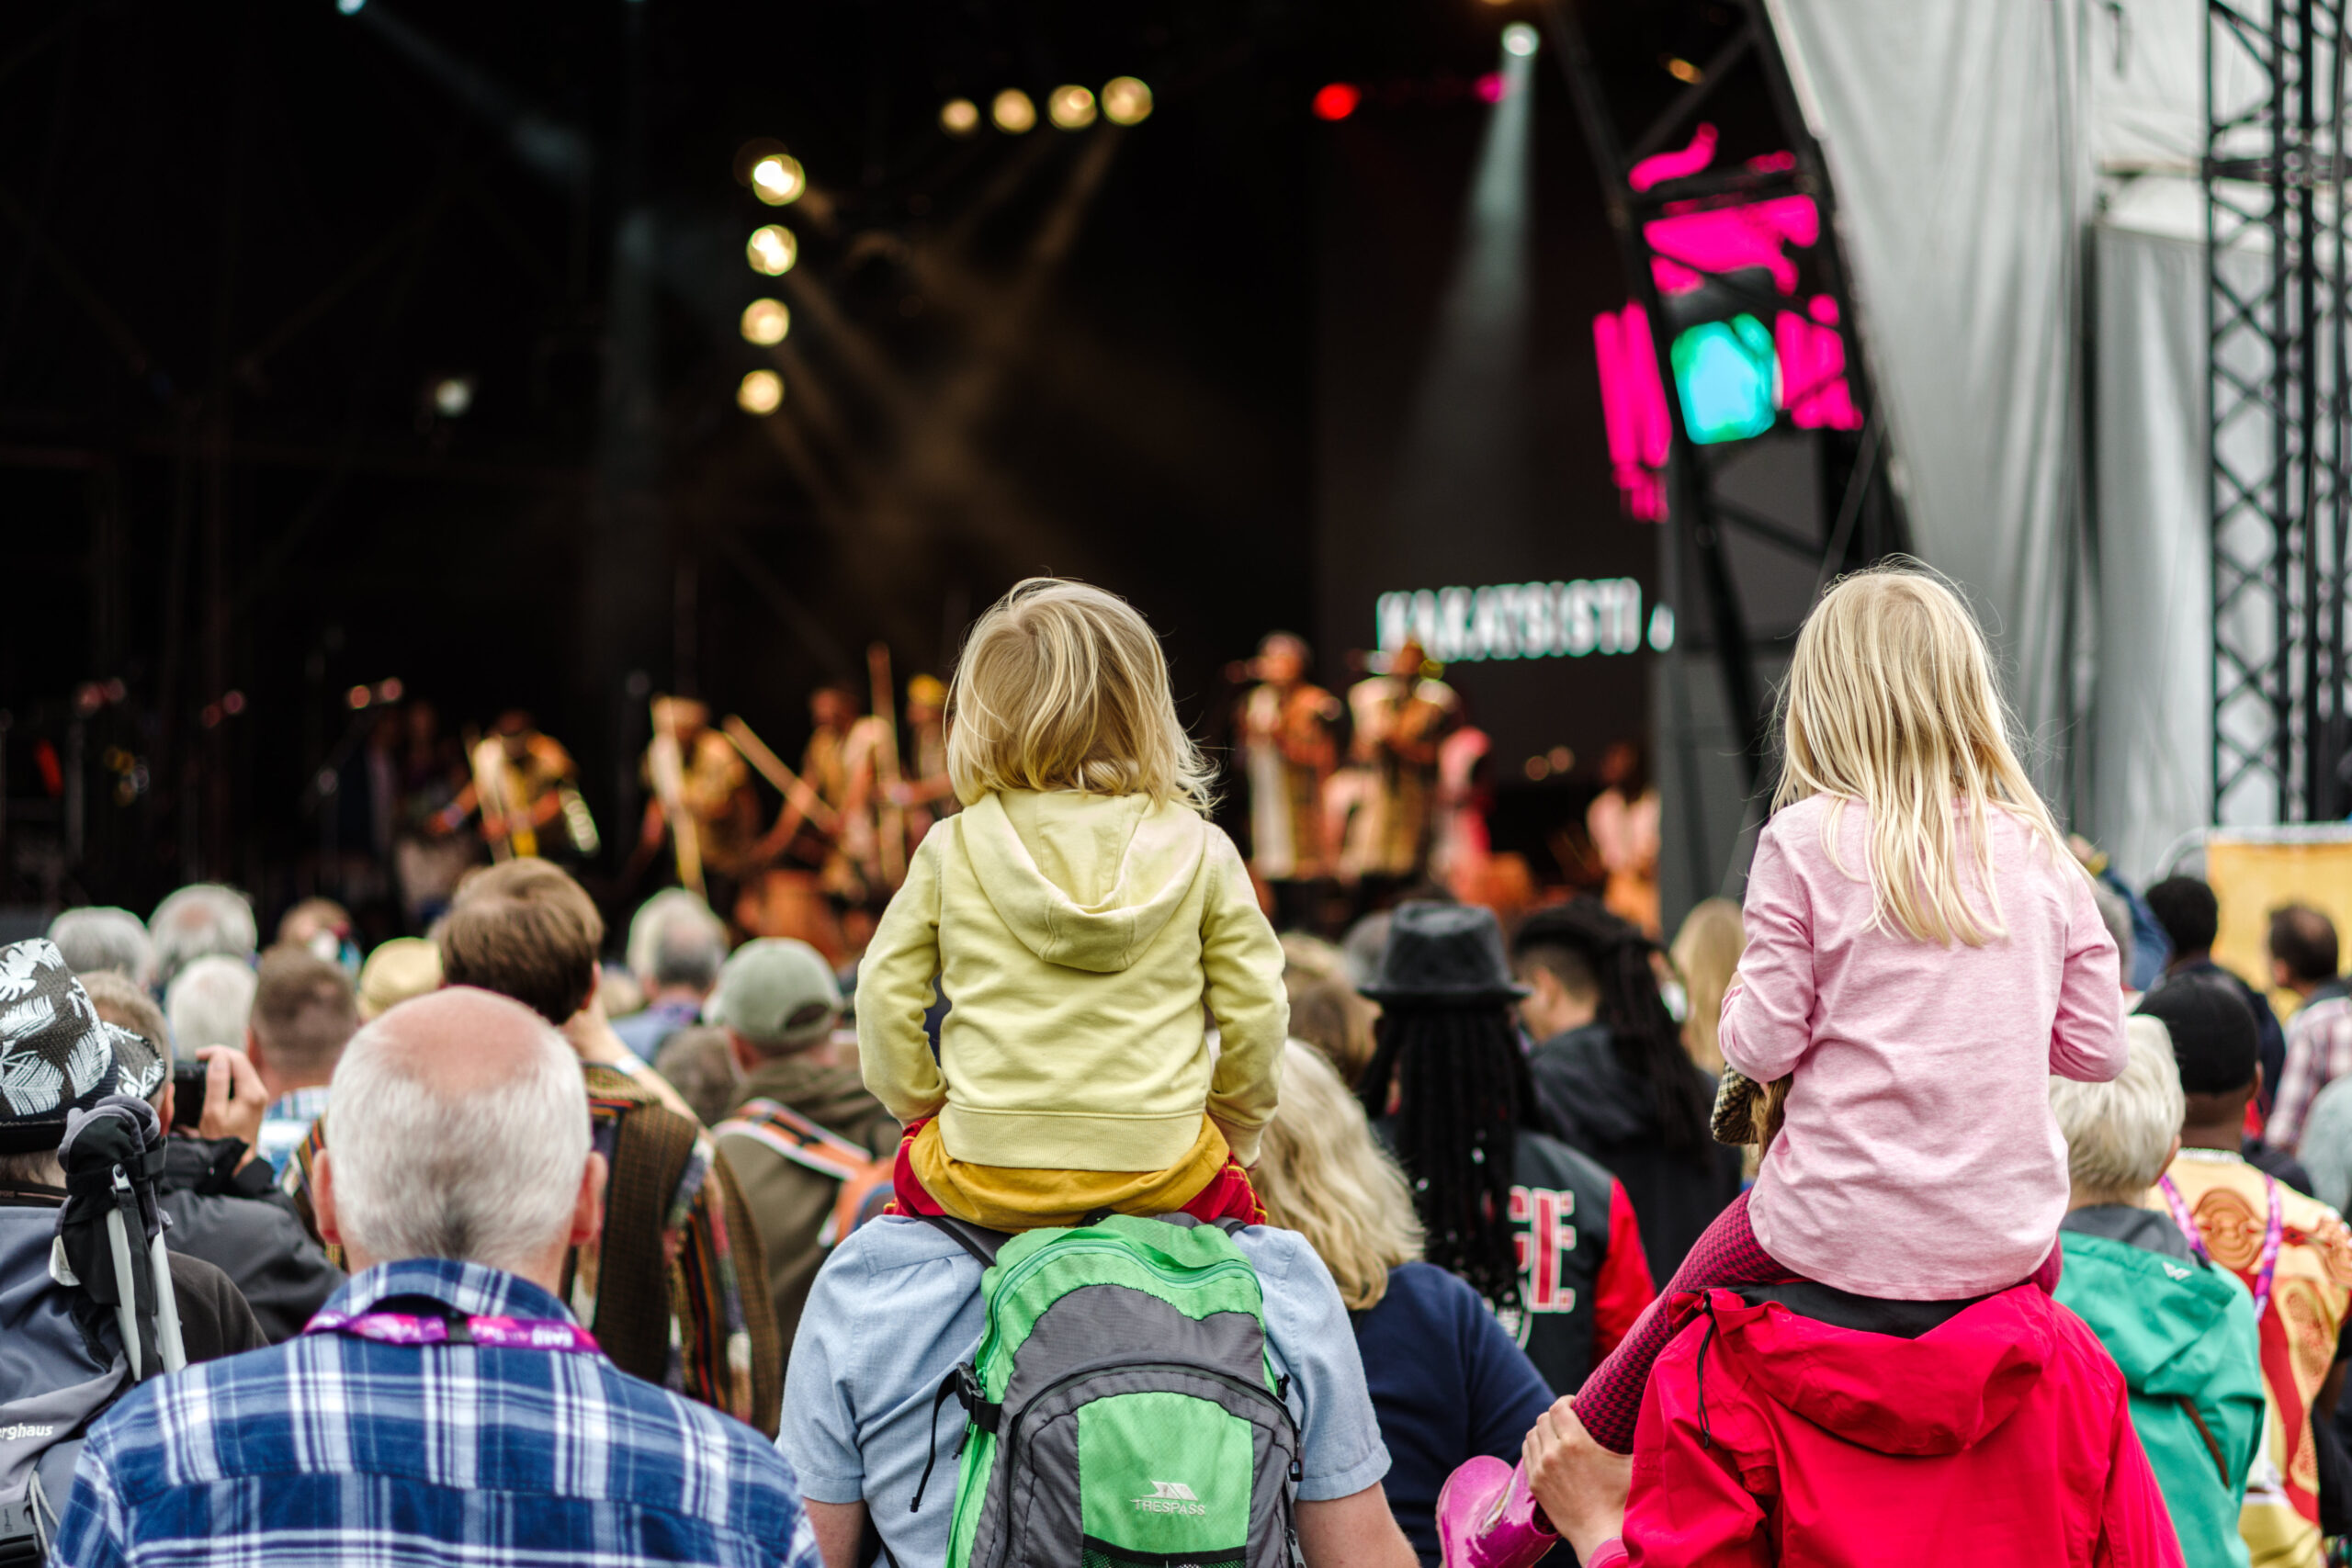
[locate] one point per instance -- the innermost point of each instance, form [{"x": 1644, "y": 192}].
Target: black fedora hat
[{"x": 1444, "y": 954}]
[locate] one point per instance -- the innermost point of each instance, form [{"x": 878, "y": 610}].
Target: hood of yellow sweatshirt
[{"x": 1086, "y": 881}]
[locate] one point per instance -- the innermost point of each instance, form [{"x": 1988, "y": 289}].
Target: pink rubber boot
[{"x": 1488, "y": 1518}]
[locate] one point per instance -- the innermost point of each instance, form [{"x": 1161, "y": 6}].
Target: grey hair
[
  {"x": 675, "y": 940},
  {"x": 486, "y": 1175},
  {"x": 209, "y": 1003},
  {"x": 2119, "y": 1135},
  {"x": 96, "y": 937},
  {"x": 199, "y": 921}
]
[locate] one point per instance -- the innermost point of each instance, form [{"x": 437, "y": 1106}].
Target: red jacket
[{"x": 2000, "y": 1436}]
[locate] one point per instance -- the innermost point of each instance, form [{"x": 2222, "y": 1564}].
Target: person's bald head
[{"x": 458, "y": 1129}]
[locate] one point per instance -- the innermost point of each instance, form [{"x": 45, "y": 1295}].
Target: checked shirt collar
[{"x": 467, "y": 1290}]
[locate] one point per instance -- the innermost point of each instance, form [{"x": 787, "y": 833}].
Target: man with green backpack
[{"x": 1123, "y": 1393}]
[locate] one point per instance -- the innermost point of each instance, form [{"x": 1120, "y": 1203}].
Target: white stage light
[
  {"x": 760, "y": 394},
  {"x": 1520, "y": 38},
  {"x": 772, "y": 250}
]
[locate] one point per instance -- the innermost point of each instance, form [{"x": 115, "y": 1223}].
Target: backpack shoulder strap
[
  {"x": 981, "y": 1244},
  {"x": 786, "y": 1133}
]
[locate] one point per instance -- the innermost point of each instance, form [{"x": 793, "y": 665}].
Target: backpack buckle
[{"x": 984, "y": 1413}]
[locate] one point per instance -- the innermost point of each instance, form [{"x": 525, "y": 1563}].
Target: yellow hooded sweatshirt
[{"x": 1075, "y": 937}]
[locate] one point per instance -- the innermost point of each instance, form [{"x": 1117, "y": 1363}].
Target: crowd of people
[{"x": 1943, "y": 1200}]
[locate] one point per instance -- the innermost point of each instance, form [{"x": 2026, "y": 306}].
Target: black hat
[
  {"x": 1443, "y": 954},
  {"x": 56, "y": 1055}
]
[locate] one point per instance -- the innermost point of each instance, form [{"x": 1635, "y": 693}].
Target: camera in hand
[{"x": 187, "y": 1094}]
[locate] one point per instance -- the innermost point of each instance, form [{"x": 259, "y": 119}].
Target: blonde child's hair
[
  {"x": 1063, "y": 687},
  {"x": 1706, "y": 953},
  {"x": 1891, "y": 702},
  {"x": 1320, "y": 1174}
]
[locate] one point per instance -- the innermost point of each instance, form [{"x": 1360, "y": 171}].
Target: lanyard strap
[
  {"x": 2274, "y": 1234},
  {"x": 497, "y": 1332}
]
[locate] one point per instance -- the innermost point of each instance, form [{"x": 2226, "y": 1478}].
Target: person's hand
[
  {"x": 233, "y": 1098},
  {"x": 1582, "y": 1484}
]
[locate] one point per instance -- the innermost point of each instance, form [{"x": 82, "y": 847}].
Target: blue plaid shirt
[{"x": 334, "y": 1448}]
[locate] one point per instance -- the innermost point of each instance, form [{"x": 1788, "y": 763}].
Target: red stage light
[
  {"x": 1336, "y": 100},
  {"x": 1490, "y": 87}
]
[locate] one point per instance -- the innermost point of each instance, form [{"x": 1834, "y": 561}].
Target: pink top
[{"x": 1918, "y": 1159}]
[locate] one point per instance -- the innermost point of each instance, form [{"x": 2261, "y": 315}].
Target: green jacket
[{"x": 2183, "y": 1333}]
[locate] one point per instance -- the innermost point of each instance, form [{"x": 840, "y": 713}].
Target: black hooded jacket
[
  {"x": 238, "y": 1222},
  {"x": 1592, "y": 1104}
]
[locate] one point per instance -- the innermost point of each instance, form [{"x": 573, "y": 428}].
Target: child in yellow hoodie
[{"x": 1077, "y": 913}]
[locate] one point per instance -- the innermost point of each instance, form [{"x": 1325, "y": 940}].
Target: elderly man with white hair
[
  {"x": 2181, "y": 1329},
  {"x": 445, "y": 1406},
  {"x": 203, "y": 919},
  {"x": 210, "y": 1002},
  {"x": 97, "y": 938},
  {"x": 675, "y": 948}
]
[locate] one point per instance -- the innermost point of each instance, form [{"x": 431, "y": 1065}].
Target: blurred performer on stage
[
  {"x": 1289, "y": 745},
  {"x": 839, "y": 765},
  {"x": 1401, "y": 716},
  {"x": 700, "y": 799},
  {"x": 428, "y": 857},
  {"x": 527, "y": 789},
  {"x": 926, "y": 792},
  {"x": 1461, "y": 850},
  {"x": 1623, "y": 822}
]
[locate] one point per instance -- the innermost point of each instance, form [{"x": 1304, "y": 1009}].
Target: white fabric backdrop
[
  {"x": 1971, "y": 142},
  {"x": 2153, "y": 724},
  {"x": 1963, "y": 182}
]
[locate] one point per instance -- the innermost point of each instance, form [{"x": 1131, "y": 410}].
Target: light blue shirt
[
  {"x": 286, "y": 1122},
  {"x": 898, "y": 1307}
]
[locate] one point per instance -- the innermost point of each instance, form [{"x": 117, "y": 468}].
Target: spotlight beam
[{"x": 547, "y": 147}]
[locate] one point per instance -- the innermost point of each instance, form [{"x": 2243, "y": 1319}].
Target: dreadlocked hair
[
  {"x": 1465, "y": 1097},
  {"x": 1580, "y": 939}
]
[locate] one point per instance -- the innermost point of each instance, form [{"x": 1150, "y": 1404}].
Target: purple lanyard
[
  {"x": 2274, "y": 1231},
  {"x": 497, "y": 1332}
]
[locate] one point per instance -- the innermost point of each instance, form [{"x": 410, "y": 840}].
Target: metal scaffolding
[
  {"x": 1855, "y": 517},
  {"x": 2277, "y": 486}
]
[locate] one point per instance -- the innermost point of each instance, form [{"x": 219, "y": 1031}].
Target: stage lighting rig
[
  {"x": 760, "y": 392},
  {"x": 1125, "y": 101},
  {"x": 772, "y": 250},
  {"x": 1336, "y": 100},
  {"x": 778, "y": 179},
  {"x": 959, "y": 116},
  {"x": 1071, "y": 107},
  {"x": 1014, "y": 113},
  {"x": 452, "y": 395},
  {"x": 765, "y": 322}
]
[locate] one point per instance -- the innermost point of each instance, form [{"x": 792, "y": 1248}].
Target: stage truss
[
  {"x": 2279, "y": 491},
  {"x": 1854, "y": 515}
]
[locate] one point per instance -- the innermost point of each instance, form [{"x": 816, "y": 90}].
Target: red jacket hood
[{"x": 1946, "y": 1391}]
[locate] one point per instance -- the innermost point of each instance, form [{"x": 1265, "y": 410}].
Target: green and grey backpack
[{"x": 1121, "y": 1411}]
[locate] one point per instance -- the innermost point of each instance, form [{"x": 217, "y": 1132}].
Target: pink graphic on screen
[
  {"x": 1632, "y": 405},
  {"x": 1689, "y": 245}
]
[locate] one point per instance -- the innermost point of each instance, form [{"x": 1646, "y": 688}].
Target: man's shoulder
[
  {"x": 1541, "y": 1160},
  {"x": 2329, "y": 1012},
  {"x": 260, "y": 1414}
]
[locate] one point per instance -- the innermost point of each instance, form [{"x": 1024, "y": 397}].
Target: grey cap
[{"x": 776, "y": 991}]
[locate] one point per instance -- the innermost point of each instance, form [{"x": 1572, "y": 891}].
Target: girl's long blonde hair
[
  {"x": 1063, "y": 686},
  {"x": 1891, "y": 702},
  {"x": 1320, "y": 1174}
]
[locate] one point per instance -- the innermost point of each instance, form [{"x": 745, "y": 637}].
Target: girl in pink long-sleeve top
[{"x": 1923, "y": 952}]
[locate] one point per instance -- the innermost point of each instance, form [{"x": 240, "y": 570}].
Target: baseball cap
[{"x": 776, "y": 991}]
